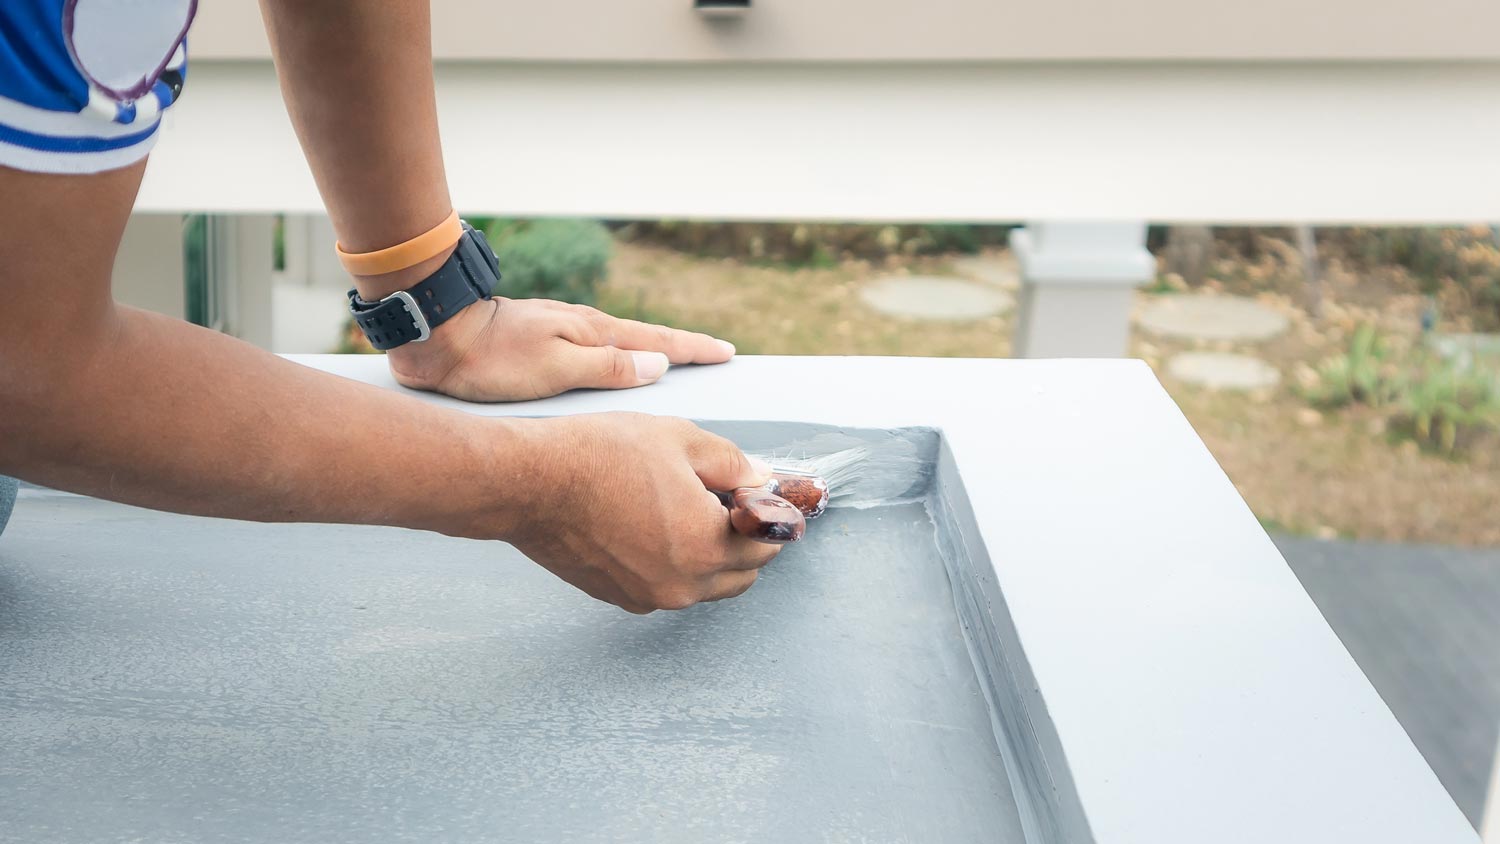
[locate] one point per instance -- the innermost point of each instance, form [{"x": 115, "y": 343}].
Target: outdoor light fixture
[{"x": 721, "y": 8}]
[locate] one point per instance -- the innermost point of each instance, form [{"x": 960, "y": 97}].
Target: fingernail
[
  {"x": 761, "y": 467},
  {"x": 727, "y": 346},
  {"x": 649, "y": 366}
]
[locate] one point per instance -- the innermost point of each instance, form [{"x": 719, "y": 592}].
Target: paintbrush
[{"x": 804, "y": 488}]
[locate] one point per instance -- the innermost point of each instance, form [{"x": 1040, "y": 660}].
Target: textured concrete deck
[
  {"x": 247, "y": 682},
  {"x": 1423, "y": 622}
]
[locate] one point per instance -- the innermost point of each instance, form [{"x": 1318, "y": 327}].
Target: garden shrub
[
  {"x": 1365, "y": 374},
  {"x": 1440, "y": 403},
  {"x": 1448, "y": 406},
  {"x": 551, "y": 259},
  {"x": 1460, "y": 265},
  {"x": 815, "y": 244}
]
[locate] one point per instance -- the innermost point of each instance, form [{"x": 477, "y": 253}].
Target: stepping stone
[
  {"x": 924, "y": 297},
  {"x": 1223, "y": 371},
  {"x": 1468, "y": 349},
  {"x": 1002, "y": 271},
  {"x": 1211, "y": 318}
]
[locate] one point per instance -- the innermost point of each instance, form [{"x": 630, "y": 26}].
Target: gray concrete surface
[
  {"x": 7, "y": 499},
  {"x": 1423, "y": 622},
  {"x": 283, "y": 683}
]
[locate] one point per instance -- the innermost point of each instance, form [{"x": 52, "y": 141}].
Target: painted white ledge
[
  {"x": 1401, "y": 142},
  {"x": 1189, "y": 686}
]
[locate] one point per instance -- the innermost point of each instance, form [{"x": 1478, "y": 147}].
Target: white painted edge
[
  {"x": 1319, "y": 143},
  {"x": 1195, "y": 691}
]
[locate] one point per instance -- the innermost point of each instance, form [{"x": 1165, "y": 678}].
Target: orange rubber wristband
[{"x": 403, "y": 255}]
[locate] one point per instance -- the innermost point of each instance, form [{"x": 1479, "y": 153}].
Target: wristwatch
[{"x": 409, "y": 316}]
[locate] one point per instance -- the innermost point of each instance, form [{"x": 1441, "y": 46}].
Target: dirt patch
[{"x": 776, "y": 310}]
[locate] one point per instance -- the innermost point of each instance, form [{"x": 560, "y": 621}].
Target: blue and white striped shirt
[{"x": 83, "y": 83}]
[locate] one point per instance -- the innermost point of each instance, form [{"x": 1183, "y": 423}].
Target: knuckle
[
  {"x": 674, "y": 598},
  {"x": 617, "y": 370},
  {"x": 728, "y": 459},
  {"x": 680, "y": 427},
  {"x": 602, "y": 324},
  {"x": 709, "y": 562},
  {"x": 745, "y": 587}
]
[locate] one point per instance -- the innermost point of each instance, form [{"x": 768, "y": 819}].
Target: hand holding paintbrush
[{"x": 776, "y": 512}]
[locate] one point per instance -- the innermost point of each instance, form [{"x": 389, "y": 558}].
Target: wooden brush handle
[{"x": 764, "y": 516}]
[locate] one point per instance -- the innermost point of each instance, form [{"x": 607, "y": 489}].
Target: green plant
[
  {"x": 1365, "y": 374},
  {"x": 278, "y": 242},
  {"x": 551, "y": 259},
  {"x": 942, "y": 238},
  {"x": 1439, "y": 403},
  {"x": 1446, "y": 405},
  {"x": 1161, "y": 287},
  {"x": 352, "y": 341},
  {"x": 196, "y": 276},
  {"x": 817, "y": 245}
]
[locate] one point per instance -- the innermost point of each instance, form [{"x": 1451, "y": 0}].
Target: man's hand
[
  {"x": 620, "y": 507},
  {"x": 520, "y": 349}
]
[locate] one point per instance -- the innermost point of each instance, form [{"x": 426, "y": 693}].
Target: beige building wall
[{"x": 925, "y": 30}]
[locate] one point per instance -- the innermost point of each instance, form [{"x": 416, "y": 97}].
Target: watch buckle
[{"x": 419, "y": 319}]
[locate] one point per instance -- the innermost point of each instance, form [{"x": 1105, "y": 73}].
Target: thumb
[
  {"x": 720, "y": 464},
  {"x": 609, "y": 368}
]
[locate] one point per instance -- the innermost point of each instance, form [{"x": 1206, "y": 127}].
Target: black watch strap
[{"x": 410, "y": 315}]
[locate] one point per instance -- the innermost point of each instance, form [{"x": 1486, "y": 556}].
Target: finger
[
  {"x": 596, "y": 328},
  {"x": 719, "y": 463},
  {"x": 678, "y": 345},
  {"x": 606, "y": 368},
  {"x": 736, "y": 552},
  {"x": 746, "y": 554},
  {"x": 730, "y": 584}
]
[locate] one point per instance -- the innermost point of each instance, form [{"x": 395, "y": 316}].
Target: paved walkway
[
  {"x": 1223, "y": 319},
  {"x": 935, "y": 298},
  {"x": 1192, "y": 316},
  {"x": 1423, "y": 622}
]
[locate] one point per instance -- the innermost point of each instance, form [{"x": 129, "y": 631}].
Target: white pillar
[
  {"x": 1489, "y": 827},
  {"x": 1077, "y": 284},
  {"x": 307, "y": 244},
  {"x": 148, "y": 269},
  {"x": 241, "y": 266}
]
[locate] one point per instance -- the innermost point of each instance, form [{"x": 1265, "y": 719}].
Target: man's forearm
[
  {"x": 152, "y": 411},
  {"x": 357, "y": 79}
]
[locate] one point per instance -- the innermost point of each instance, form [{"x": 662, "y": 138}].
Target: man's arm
[
  {"x": 357, "y": 78},
  {"x": 132, "y": 406}
]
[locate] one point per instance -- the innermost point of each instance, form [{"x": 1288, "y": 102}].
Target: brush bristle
[
  {"x": 840, "y": 469},
  {"x": 892, "y": 469}
]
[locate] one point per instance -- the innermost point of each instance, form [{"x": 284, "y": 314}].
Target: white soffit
[{"x": 1229, "y": 143}]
